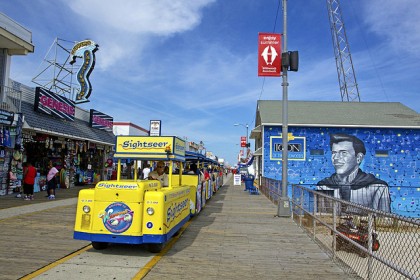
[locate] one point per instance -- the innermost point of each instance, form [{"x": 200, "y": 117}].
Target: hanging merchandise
[
  {"x": 12, "y": 176},
  {"x": 17, "y": 155},
  {"x": 1, "y": 137},
  {"x": 18, "y": 139},
  {"x": 7, "y": 142}
]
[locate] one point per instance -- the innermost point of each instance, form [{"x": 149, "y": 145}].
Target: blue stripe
[{"x": 129, "y": 239}]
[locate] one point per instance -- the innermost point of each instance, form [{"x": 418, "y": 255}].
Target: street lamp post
[
  {"x": 246, "y": 126},
  {"x": 283, "y": 209}
]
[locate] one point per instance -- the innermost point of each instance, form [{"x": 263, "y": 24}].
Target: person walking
[
  {"x": 51, "y": 180},
  {"x": 29, "y": 174}
]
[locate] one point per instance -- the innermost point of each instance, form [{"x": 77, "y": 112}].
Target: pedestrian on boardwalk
[
  {"x": 51, "y": 180},
  {"x": 29, "y": 174}
]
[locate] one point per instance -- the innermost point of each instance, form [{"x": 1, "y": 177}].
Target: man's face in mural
[{"x": 344, "y": 158}]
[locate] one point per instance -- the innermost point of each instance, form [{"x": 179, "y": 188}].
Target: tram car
[{"x": 134, "y": 211}]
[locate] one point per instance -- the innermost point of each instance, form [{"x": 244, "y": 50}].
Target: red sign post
[
  {"x": 243, "y": 141},
  {"x": 269, "y": 54}
]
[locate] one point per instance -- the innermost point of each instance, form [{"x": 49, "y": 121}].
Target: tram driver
[{"x": 159, "y": 174}]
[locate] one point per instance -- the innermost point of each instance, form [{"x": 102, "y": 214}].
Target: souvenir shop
[
  {"x": 79, "y": 161},
  {"x": 11, "y": 170},
  {"x": 48, "y": 130}
]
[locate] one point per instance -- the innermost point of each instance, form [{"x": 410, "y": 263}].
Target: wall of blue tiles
[{"x": 393, "y": 155}]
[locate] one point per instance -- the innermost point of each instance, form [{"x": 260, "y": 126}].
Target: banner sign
[
  {"x": 155, "y": 128},
  {"x": 54, "y": 105},
  {"x": 269, "y": 54},
  {"x": 296, "y": 148},
  {"x": 243, "y": 141},
  {"x": 100, "y": 120}
]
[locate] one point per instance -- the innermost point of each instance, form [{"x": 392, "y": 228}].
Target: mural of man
[{"x": 349, "y": 182}]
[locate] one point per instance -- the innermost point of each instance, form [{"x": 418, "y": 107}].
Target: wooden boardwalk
[
  {"x": 36, "y": 233},
  {"x": 236, "y": 236}
]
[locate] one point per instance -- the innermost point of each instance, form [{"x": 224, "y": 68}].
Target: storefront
[
  {"x": 11, "y": 169},
  {"x": 79, "y": 142},
  {"x": 386, "y": 134}
]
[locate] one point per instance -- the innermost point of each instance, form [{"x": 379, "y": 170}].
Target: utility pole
[{"x": 283, "y": 209}]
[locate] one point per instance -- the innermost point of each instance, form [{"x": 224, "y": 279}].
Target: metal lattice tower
[
  {"x": 56, "y": 73},
  {"x": 345, "y": 70}
]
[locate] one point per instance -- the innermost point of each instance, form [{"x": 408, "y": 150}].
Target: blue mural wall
[{"x": 393, "y": 155}]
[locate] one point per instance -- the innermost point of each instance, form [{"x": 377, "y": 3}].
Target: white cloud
[
  {"x": 163, "y": 17},
  {"x": 125, "y": 29},
  {"x": 397, "y": 21}
]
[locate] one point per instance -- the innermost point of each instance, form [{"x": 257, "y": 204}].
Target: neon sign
[
  {"x": 85, "y": 49},
  {"x": 53, "y": 104}
]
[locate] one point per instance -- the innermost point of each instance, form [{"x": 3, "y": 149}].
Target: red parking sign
[{"x": 269, "y": 54}]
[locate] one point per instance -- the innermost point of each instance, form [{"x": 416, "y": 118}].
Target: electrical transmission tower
[{"x": 345, "y": 70}]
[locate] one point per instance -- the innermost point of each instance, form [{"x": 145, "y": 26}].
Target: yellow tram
[{"x": 134, "y": 211}]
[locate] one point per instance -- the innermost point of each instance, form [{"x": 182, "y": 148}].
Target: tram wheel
[
  {"x": 155, "y": 247},
  {"x": 99, "y": 245}
]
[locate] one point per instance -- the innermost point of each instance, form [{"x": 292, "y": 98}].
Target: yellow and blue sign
[{"x": 159, "y": 147}]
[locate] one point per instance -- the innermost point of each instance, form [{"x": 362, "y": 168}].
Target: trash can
[{"x": 249, "y": 182}]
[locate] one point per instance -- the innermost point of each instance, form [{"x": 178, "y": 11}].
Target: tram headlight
[
  {"x": 86, "y": 208},
  {"x": 150, "y": 211}
]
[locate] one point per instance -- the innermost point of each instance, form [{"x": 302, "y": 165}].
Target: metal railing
[
  {"x": 10, "y": 99},
  {"x": 366, "y": 243}
]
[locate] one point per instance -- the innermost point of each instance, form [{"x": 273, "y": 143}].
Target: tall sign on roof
[{"x": 86, "y": 50}]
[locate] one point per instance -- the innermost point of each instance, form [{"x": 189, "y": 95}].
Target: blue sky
[{"x": 193, "y": 64}]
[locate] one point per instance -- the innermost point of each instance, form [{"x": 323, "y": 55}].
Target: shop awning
[
  {"x": 256, "y": 132},
  {"x": 77, "y": 129}
]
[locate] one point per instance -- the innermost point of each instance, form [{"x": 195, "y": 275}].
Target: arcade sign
[
  {"x": 101, "y": 121},
  {"x": 54, "y": 105},
  {"x": 85, "y": 50}
]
